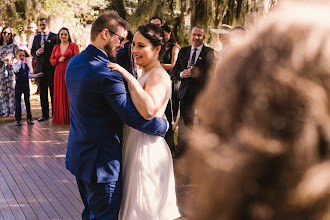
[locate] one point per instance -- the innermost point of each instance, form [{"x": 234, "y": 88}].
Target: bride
[{"x": 148, "y": 177}]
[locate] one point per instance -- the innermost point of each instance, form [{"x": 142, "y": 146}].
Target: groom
[{"x": 99, "y": 102}]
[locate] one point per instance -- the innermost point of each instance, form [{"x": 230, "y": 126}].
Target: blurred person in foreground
[
  {"x": 262, "y": 152},
  {"x": 237, "y": 35}
]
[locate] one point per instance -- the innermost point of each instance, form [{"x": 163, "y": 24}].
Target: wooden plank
[
  {"x": 45, "y": 170},
  {"x": 19, "y": 175},
  {"x": 6, "y": 200},
  {"x": 58, "y": 172},
  {"x": 33, "y": 184},
  {"x": 34, "y": 160},
  {"x": 59, "y": 162},
  {"x": 16, "y": 183},
  {"x": 38, "y": 176},
  {"x": 1, "y": 217}
]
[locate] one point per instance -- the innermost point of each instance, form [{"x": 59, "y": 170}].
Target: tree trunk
[{"x": 117, "y": 5}]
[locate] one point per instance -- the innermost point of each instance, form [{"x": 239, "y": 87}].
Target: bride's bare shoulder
[{"x": 159, "y": 74}]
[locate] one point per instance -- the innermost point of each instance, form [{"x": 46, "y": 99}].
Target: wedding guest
[
  {"x": 156, "y": 20},
  {"x": 169, "y": 59},
  {"x": 124, "y": 55},
  {"x": 33, "y": 32},
  {"x": 224, "y": 38},
  {"x": 22, "y": 72},
  {"x": 262, "y": 151},
  {"x": 192, "y": 67},
  {"x": 23, "y": 45},
  {"x": 62, "y": 52},
  {"x": 31, "y": 61},
  {"x": 16, "y": 39},
  {"x": 42, "y": 47},
  {"x": 7, "y": 77}
]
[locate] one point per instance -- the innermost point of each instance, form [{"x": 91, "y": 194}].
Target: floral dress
[{"x": 7, "y": 80}]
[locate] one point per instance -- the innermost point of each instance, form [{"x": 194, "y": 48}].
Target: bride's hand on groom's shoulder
[{"x": 116, "y": 67}]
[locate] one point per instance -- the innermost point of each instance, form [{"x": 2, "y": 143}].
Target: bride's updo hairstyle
[{"x": 155, "y": 35}]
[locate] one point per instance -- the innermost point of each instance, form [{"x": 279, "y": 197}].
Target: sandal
[{"x": 6, "y": 115}]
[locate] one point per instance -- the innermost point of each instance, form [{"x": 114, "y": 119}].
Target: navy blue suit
[
  {"x": 99, "y": 102},
  {"x": 22, "y": 87}
]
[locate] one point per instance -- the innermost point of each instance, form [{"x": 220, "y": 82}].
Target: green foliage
[{"x": 180, "y": 15}]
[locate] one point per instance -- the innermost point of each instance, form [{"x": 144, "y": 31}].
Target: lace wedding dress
[{"x": 148, "y": 177}]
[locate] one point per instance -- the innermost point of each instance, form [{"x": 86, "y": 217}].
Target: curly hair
[{"x": 263, "y": 140}]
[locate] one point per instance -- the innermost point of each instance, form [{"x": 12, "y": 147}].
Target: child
[{"x": 22, "y": 71}]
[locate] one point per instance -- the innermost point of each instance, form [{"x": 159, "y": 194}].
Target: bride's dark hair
[{"x": 155, "y": 35}]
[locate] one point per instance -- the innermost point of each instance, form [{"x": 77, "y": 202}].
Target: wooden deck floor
[{"x": 34, "y": 183}]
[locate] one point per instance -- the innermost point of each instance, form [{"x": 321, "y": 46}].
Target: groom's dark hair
[{"x": 108, "y": 20}]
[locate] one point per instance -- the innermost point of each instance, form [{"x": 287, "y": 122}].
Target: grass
[{"x": 35, "y": 109}]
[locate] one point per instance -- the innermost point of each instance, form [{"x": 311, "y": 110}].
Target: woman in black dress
[{"x": 168, "y": 62}]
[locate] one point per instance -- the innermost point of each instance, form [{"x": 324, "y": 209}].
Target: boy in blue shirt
[{"x": 22, "y": 73}]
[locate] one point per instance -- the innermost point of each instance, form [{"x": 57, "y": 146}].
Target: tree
[{"x": 180, "y": 15}]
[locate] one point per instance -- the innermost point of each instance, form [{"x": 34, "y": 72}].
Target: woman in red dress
[{"x": 61, "y": 54}]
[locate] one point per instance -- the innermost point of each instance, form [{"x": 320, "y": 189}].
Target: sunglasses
[
  {"x": 120, "y": 37},
  {"x": 6, "y": 33}
]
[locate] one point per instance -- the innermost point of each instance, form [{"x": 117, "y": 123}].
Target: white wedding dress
[{"x": 148, "y": 177}]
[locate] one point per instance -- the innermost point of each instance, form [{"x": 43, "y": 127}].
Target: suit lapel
[
  {"x": 184, "y": 82},
  {"x": 38, "y": 39},
  {"x": 50, "y": 36},
  {"x": 186, "y": 56},
  {"x": 203, "y": 52}
]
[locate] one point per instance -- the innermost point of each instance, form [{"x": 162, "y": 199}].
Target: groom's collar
[
  {"x": 96, "y": 51},
  {"x": 103, "y": 51}
]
